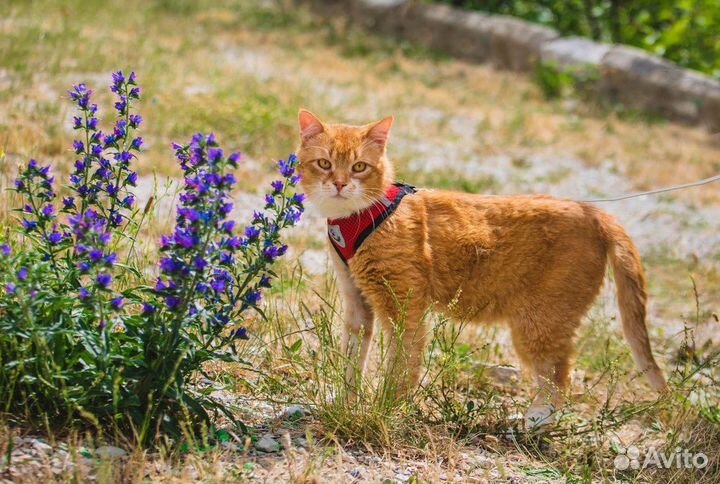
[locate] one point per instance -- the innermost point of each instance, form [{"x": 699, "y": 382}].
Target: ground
[{"x": 242, "y": 70}]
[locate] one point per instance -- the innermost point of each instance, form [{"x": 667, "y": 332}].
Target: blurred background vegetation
[{"x": 682, "y": 31}]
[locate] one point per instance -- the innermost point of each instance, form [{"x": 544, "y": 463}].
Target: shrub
[
  {"x": 681, "y": 31},
  {"x": 84, "y": 340}
]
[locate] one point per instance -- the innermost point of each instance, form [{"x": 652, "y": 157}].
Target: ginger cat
[{"x": 534, "y": 262}]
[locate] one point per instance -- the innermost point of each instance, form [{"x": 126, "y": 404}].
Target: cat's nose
[{"x": 339, "y": 185}]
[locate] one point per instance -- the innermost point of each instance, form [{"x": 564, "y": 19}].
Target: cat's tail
[{"x": 632, "y": 298}]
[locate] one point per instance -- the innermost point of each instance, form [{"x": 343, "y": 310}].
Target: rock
[
  {"x": 505, "y": 41},
  {"x": 573, "y": 53},
  {"x": 385, "y": 16},
  {"x": 646, "y": 81},
  {"x": 301, "y": 442},
  {"x": 540, "y": 416},
  {"x": 110, "y": 452},
  {"x": 41, "y": 446},
  {"x": 503, "y": 374},
  {"x": 267, "y": 444},
  {"x": 294, "y": 412}
]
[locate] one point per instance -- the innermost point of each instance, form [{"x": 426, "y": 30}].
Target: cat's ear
[
  {"x": 310, "y": 125},
  {"x": 379, "y": 132}
]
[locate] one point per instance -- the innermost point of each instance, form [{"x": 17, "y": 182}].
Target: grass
[{"x": 242, "y": 69}]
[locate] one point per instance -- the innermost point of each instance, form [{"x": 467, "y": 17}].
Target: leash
[{"x": 704, "y": 181}]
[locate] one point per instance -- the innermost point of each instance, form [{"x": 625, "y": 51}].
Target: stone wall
[{"x": 626, "y": 74}]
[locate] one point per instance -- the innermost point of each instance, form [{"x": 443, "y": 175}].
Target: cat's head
[{"x": 344, "y": 168}]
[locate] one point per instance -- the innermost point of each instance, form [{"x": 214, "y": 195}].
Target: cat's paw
[{"x": 539, "y": 416}]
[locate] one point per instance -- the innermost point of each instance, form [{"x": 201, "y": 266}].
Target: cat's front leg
[{"x": 358, "y": 319}]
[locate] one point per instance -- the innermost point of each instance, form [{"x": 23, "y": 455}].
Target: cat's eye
[
  {"x": 324, "y": 164},
  {"x": 359, "y": 167}
]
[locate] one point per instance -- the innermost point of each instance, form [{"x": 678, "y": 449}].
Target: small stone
[
  {"x": 503, "y": 374},
  {"x": 295, "y": 412},
  {"x": 267, "y": 444},
  {"x": 41, "y": 446},
  {"x": 110, "y": 452},
  {"x": 301, "y": 442},
  {"x": 540, "y": 416},
  {"x": 402, "y": 477}
]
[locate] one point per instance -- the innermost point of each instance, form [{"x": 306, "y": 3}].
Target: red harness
[{"x": 346, "y": 234}]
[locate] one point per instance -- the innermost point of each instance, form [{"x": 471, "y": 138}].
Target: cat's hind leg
[
  {"x": 408, "y": 337},
  {"x": 548, "y": 350}
]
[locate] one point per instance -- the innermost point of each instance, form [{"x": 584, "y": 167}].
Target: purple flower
[
  {"x": 78, "y": 146},
  {"x": 55, "y": 237},
  {"x": 77, "y": 122},
  {"x": 104, "y": 280},
  {"x": 215, "y": 154},
  {"x": 271, "y": 253},
  {"x": 218, "y": 285},
  {"x": 233, "y": 243},
  {"x": 168, "y": 265},
  {"x": 6, "y": 250},
  {"x": 228, "y": 226},
  {"x": 132, "y": 179},
  {"x": 148, "y": 309},
  {"x": 298, "y": 198},
  {"x": 200, "y": 263},
  {"x": 269, "y": 201},
  {"x": 136, "y": 143},
  {"x": 239, "y": 333},
  {"x": 118, "y": 79},
  {"x": 234, "y": 158},
  {"x": 117, "y": 303},
  {"x": 111, "y": 189},
  {"x": 22, "y": 274},
  {"x": 102, "y": 324},
  {"x": 293, "y": 216},
  {"x": 95, "y": 255},
  {"x": 83, "y": 293},
  {"x": 10, "y": 288},
  {"x": 29, "y": 225},
  {"x": 68, "y": 203},
  {"x": 265, "y": 281},
  {"x": 48, "y": 210},
  {"x": 286, "y": 167},
  {"x": 253, "y": 297},
  {"x": 120, "y": 106},
  {"x": 277, "y": 186},
  {"x": 135, "y": 120},
  {"x": 172, "y": 302},
  {"x": 128, "y": 201},
  {"x": 123, "y": 156}
]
